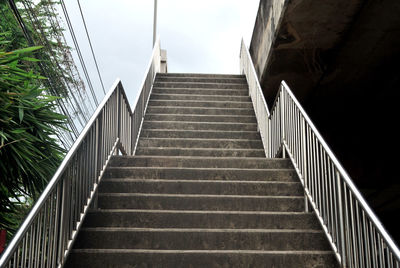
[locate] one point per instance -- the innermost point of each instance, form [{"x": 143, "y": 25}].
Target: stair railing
[
  {"x": 355, "y": 233},
  {"x": 46, "y": 236}
]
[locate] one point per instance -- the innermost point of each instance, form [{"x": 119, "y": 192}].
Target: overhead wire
[
  {"x": 71, "y": 67},
  {"x": 46, "y": 44},
  {"x": 71, "y": 29},
  {"x": 91, "y": 47},
  {"x": 48, "y": 81}
]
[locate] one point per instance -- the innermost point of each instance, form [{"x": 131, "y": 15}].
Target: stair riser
[
  {"x": 200, "y": 75},
  {"x": 199, "y": 162},
  {"x": 200, "y": 111},
  {"x": 202, "y": 80},
  {"x": 200, "y": 220},
  {"x": 199, "y": 85},
  {"x": 208, "y": 92},
  {"x": 199, "y": 152},
  {"x": 207, "y": 104},
  {"x": 198, "y": 97},
  {"x": 202, "y": 174},
  {"x": 201, "y": 143},
  {"x": 202, "y": 259},
  {"x": 200, "y": 118},
  {"x": 200, "y": 240},
  {"x": 155, "y": 133},
  {"x": 198, "y": 126},
  {"x": 193, "y": 187},
  {"x": 132, "y": 201}
]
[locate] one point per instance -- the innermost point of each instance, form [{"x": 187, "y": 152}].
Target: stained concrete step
[
  {"x": 198, "y": 97},
  {"x": 174, "y": 173},
  {"x": 200, "y": 202},
  {"x": 200, "y": 75},
  {"x": 199, "y": 134},
  {"x": 200, "y": 219},
  {"x": 201, "y": 91},
  {"x": 214, "y": 152},
  {"x": 229, "y": 80},
  {"x": 212, "y": 187},
  {"x": 201, "y": 239},
  {"x": 196, "y": 85},
  {"x": 200, "y": 143},
  {"x": 223, "y": 126},
  {"x": 199, "y": 162},
  {"x": 200, "y": 110},
  {"x": 130, "y": 258},
  {"x": 201, "y": 118},
  {"x": 196, "y": 103}
]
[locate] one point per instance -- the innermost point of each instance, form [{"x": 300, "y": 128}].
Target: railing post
[
  {"x": 119, "y": 117},
  {"x": 282, "y": 111},
  {"x": 342, "y": 250},
  {"x": 304, "y": 162}
]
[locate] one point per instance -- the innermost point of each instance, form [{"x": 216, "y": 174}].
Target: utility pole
[{"x": 155, "y": 23}]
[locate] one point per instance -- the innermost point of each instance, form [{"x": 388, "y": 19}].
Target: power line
[
  {"x": 91, "y": 48},
  {"x": 71, "y": 29},
  {"x": 48, "y": 81}
]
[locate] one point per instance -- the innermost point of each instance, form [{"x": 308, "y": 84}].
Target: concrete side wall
[{"x": 268, "y": 19}]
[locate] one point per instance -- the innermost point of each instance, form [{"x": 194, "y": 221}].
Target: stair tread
[
  {"x": 199, "y": 230},
  {"x": 206, "y": 212},
  {"x": 204, "y": 196},
  {"x": 237, "y": 251}
]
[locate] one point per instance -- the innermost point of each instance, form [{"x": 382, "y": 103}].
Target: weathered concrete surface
[
  {"x": 341, "y": 59},
  {"x": 301, "y": 34}
]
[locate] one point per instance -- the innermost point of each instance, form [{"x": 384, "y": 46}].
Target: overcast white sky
[{"x": 199, "y": 36}]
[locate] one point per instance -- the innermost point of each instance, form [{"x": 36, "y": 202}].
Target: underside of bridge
[{"x": 341, "y": 59}]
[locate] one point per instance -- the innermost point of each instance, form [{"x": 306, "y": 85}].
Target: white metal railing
[
  {"x": 354, "y": 232},
  {"x": 47, "y": 234}
]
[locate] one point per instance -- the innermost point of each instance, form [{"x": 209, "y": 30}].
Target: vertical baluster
[
  {"x": 353, "y": 230},
  {"x": 360, "y": 241},
  {"x": 347, "y": 228},
  {"x": 342, "y": 241},
  {"x": 367, "y": 238},
  {"x": 304, "y": 161}
]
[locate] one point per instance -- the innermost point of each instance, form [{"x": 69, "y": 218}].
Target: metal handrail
[
  {"x": 355, "y": 233},
  {"x": 257, "y": 97},
  {"x": 46, "y": 236}
]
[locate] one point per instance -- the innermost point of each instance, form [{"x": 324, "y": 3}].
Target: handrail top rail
[
  {"x": 343, "y": 173},
  {"x": 56, "y": 177},
  {"x": 156, "y": 46},
  {"x": 255, "y": 74}
]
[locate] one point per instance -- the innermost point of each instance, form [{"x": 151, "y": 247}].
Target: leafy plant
[{"x": 29, "y": 151}]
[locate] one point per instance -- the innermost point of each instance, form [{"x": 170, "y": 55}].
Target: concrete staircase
[{"x": 199, "y": 192}]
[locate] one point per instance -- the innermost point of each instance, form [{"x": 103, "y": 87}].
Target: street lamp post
[{"x": 155, "y": 23}]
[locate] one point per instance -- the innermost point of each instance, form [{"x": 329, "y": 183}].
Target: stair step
[
  {"x": 158, "y": 84},
  {"x": 199, "y": 162},
  {"x": 201, "y": 75},
  {"x": 201, "y": 91},
  {"x": 229, "y": 80},
  {"x": 201, "y": 239},
  {"x": 175, "y": 173},
  {"x": 198, "y": 134},
  {"x": 200, "y": 143},
  {"x": 201, "y": 118},
  {"x": 224, "y": 126},
  {"x": 201, "y": 187},
  {"x": 198, "y": 97},
  {"x": 214, "y": 152},
  {"x": 199, "y": 110},
  {"x": 200, "y": 202},
  {"x": 130, "y": 258},
  {"x": 200, "y": 219},
  {"x": 196, "y": 103}
]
